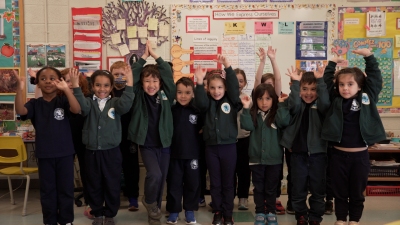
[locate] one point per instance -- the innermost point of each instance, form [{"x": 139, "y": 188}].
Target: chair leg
[
  {"x": 11, "y": 191},
  {"x": 28, "y": 180}
]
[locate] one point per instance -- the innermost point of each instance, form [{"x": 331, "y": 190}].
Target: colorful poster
[
  {"x": 383, "y": 50},
  {"x": 286, "y": 27},
  {"x": 55, "y": 55},
  {"x": 9, "y": 34},
  {"x": 263, "y": 27},
  {"x": 235, "y": 28},
  {"x": 376, "y": 24},
  {"x": 311, "y": 40}
]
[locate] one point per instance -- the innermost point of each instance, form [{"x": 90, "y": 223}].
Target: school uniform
[
  {"x": 102, "y": 135},
  {"x": 352, "y": 123},
  {"x": 151, "y": 128},
  {"x": 308, "y": 158},
  {"x": 220, "y": 132},
  {"x": 265, "y": 155},
  {"x": 184, "y": 173},
  {"x": 55, "y": 154}
]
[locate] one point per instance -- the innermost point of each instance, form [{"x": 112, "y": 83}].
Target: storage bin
[
  {"x": 384, "y": 171},
  {"x": 383, "y": 191}
]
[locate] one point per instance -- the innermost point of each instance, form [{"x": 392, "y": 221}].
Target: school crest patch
[
  {"x": 314, "y": 106},
  {"x": 355, "y": 106},
  {"x": 111, "y": 113},
  {"x": 226, "y": 108},
  {"x": 365, "y": 99},
  {"x": 193, "y": 119},
  {"x": 163, "y": 95},
  {"x": 194, "y": 164},
  {"x": 59, "y": 114}
]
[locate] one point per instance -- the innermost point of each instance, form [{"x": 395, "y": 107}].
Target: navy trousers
[
  {"x": 243, "y": 173},
  {"x": 221, "y": 163},
  {"x": 130, "y": 167},
  {"x": 56, "y": 177},
  {"x": 103, "y": 173}
]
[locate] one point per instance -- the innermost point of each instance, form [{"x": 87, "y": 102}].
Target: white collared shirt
[
  {"x": 101, "y": 102},
  {"x": 263, "y": 114}
]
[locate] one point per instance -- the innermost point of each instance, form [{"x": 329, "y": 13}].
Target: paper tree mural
[{"x": 135, "y": 14}]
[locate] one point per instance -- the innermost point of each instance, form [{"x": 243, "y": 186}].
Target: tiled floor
[{"x": 378, "y": 211}]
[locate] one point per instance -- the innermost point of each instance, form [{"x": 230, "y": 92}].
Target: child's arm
[
  {"x": 166, "y": 75},
  {"x": 137, "y": 69},
  {"x": 246, "y": 122},
  {"x": 124, "y": 103},
  {"x": 373, "y": 82},
  {"x": 83, "y": 102},
  {"x": 74, "y": 106},
  {"x": 261, "y": 53},
  {"x": 282, "y": 117},
  {"x": 329, "y": 74},
  {"x": 19, "y": 98},
  {"x": 323, "y": 94},
  {"x": 32, "y": 74},
  {"x": 294, "y": 100},
  {"x": 201, "y": 100},
  {"x": 277, "y": 73},
  {"x": 232, "y": 83}
]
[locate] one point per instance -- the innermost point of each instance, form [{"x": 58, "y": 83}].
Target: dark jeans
[
  {"x": 349, "y": 174},
  {"x": 103, "y": 173},
  {"x": 265, "y": 180},
  {"x": 329, "y": 191},
  {"x": 156, "y": 162},
  {"x": 308, "y": 174},
  {"x": 221, "y": 163},
  {"x": 56, "y": 177},
  {"x": 289, "y": 186},
  {"x": 130, "y": 167},
  {"x": 183, "y": 180},
  {"x": 242, "y": 172}
]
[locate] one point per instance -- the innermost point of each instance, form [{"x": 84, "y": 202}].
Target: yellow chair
[{"x": 16, "y": 143}]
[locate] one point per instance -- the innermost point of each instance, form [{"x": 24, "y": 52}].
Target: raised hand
[
  {"x": 200, "y": 73},
  {"x": 337, "y": 59},
  {"x": 261, "y": 54},
  {"x": 294, "y": 74},
  {"x": 283, "y": 97},
  {"x": 31, "y": 72},
  {"x": 128, "y": 75},
  {"x": 222, "y": 59},
  {"x": 319, "y": 72},
  {"x": 74, "y": 75},
  {"x": 151, "y": 51},
  {"x": 271, "y": 53},
  {"x": 363, "y": 51},
  {"x": 21, "y": 82},
  {"x": 61, "y": 85},
  {"x": 246, "y": 101},
  {"x": 146, "y": 53}
]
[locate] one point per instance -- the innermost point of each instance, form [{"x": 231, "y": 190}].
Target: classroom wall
[{"x": 48, "y": 21}]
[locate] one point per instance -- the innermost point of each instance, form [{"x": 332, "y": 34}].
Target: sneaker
[
  {"x": 217, "y": 220},
  {"x": 228, "y": 220},
  {"x": 133, "y": 204},
  {"x": 280, "y": 210},
  {"x": 153, "y": 221},
  {"x": 289, "y": 208},
  {"x": 314, "y": 222},
  {"x": 109, "y": 221},
  {"x": 243, "y": 205},
  {"x": 190, "y": 219},
  {"x": 259, "y": 219},
  {"x": 172, "y": 218},
  {"x": 152, "y": 209},
  {"x": 98, "y": 221},
  {"x": 302, "y": 221},
  {"x": 340, "y": 222},
  {"x": 202, "y": 202},
  {"x": 87, "y": 212},
  {"x": 328, "y": 207},
  {"x": 353, "y": 223},
  {"x": 271, "y": 219}
]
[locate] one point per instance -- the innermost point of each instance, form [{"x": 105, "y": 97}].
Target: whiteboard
[{"x": 215, "y": 38}]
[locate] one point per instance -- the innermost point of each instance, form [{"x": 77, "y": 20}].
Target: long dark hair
[{"x": 258, "y": 93}]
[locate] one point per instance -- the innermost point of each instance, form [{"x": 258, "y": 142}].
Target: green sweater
[
  {"x": 264, "y": 147},
  {"x": 220, "y": 126},
  {"x": 137, "y": 130},
  {"x": 371, "y": 126},
  {"x": 316, "y": 115},
  {"x": 102, "y": 129}
]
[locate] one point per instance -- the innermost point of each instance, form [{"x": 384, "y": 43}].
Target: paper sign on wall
[
  {"x": 235, "y": 28},
  {"x": 142, "y": 32},
  {"x": 121, "y": 24},
  {"x": 115, "y": 38},
  {"x": 376, "y": 24},
  {"x": 265, "y": 27},
  {"x": 123, "y": 49},
  {"x": 131, "y": 31},
  {"x": 153, "y": 41},
  {"x": 397, "y": 41},
  {"x": 133, "y": 44},
  {"x": 152, "y": 25},
  {"x": 163, "y": 30}
]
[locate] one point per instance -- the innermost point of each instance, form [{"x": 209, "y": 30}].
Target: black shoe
[
  {"x": 328, "y": 207},
  {"x": 289, "y": 208},
  {"x": 228, "y": 220},
  {"x": 217, "y": 220},
  {"x": 302, "y": 221}
]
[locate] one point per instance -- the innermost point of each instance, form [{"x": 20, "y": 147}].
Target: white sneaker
[
  {"x": 243, "y": 204},
  {"x": 340, "y": 222},
  {"x": 353, "y": 223}
]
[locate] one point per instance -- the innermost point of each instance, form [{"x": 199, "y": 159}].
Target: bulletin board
[
  {"x": 199, "y": 32},
  {"x": 353, "y": 28}
]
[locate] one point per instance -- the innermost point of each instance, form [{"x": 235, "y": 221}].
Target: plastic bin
[
  {"x": 383, "y": 191},
  {"x": 384, "y": 171}
]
